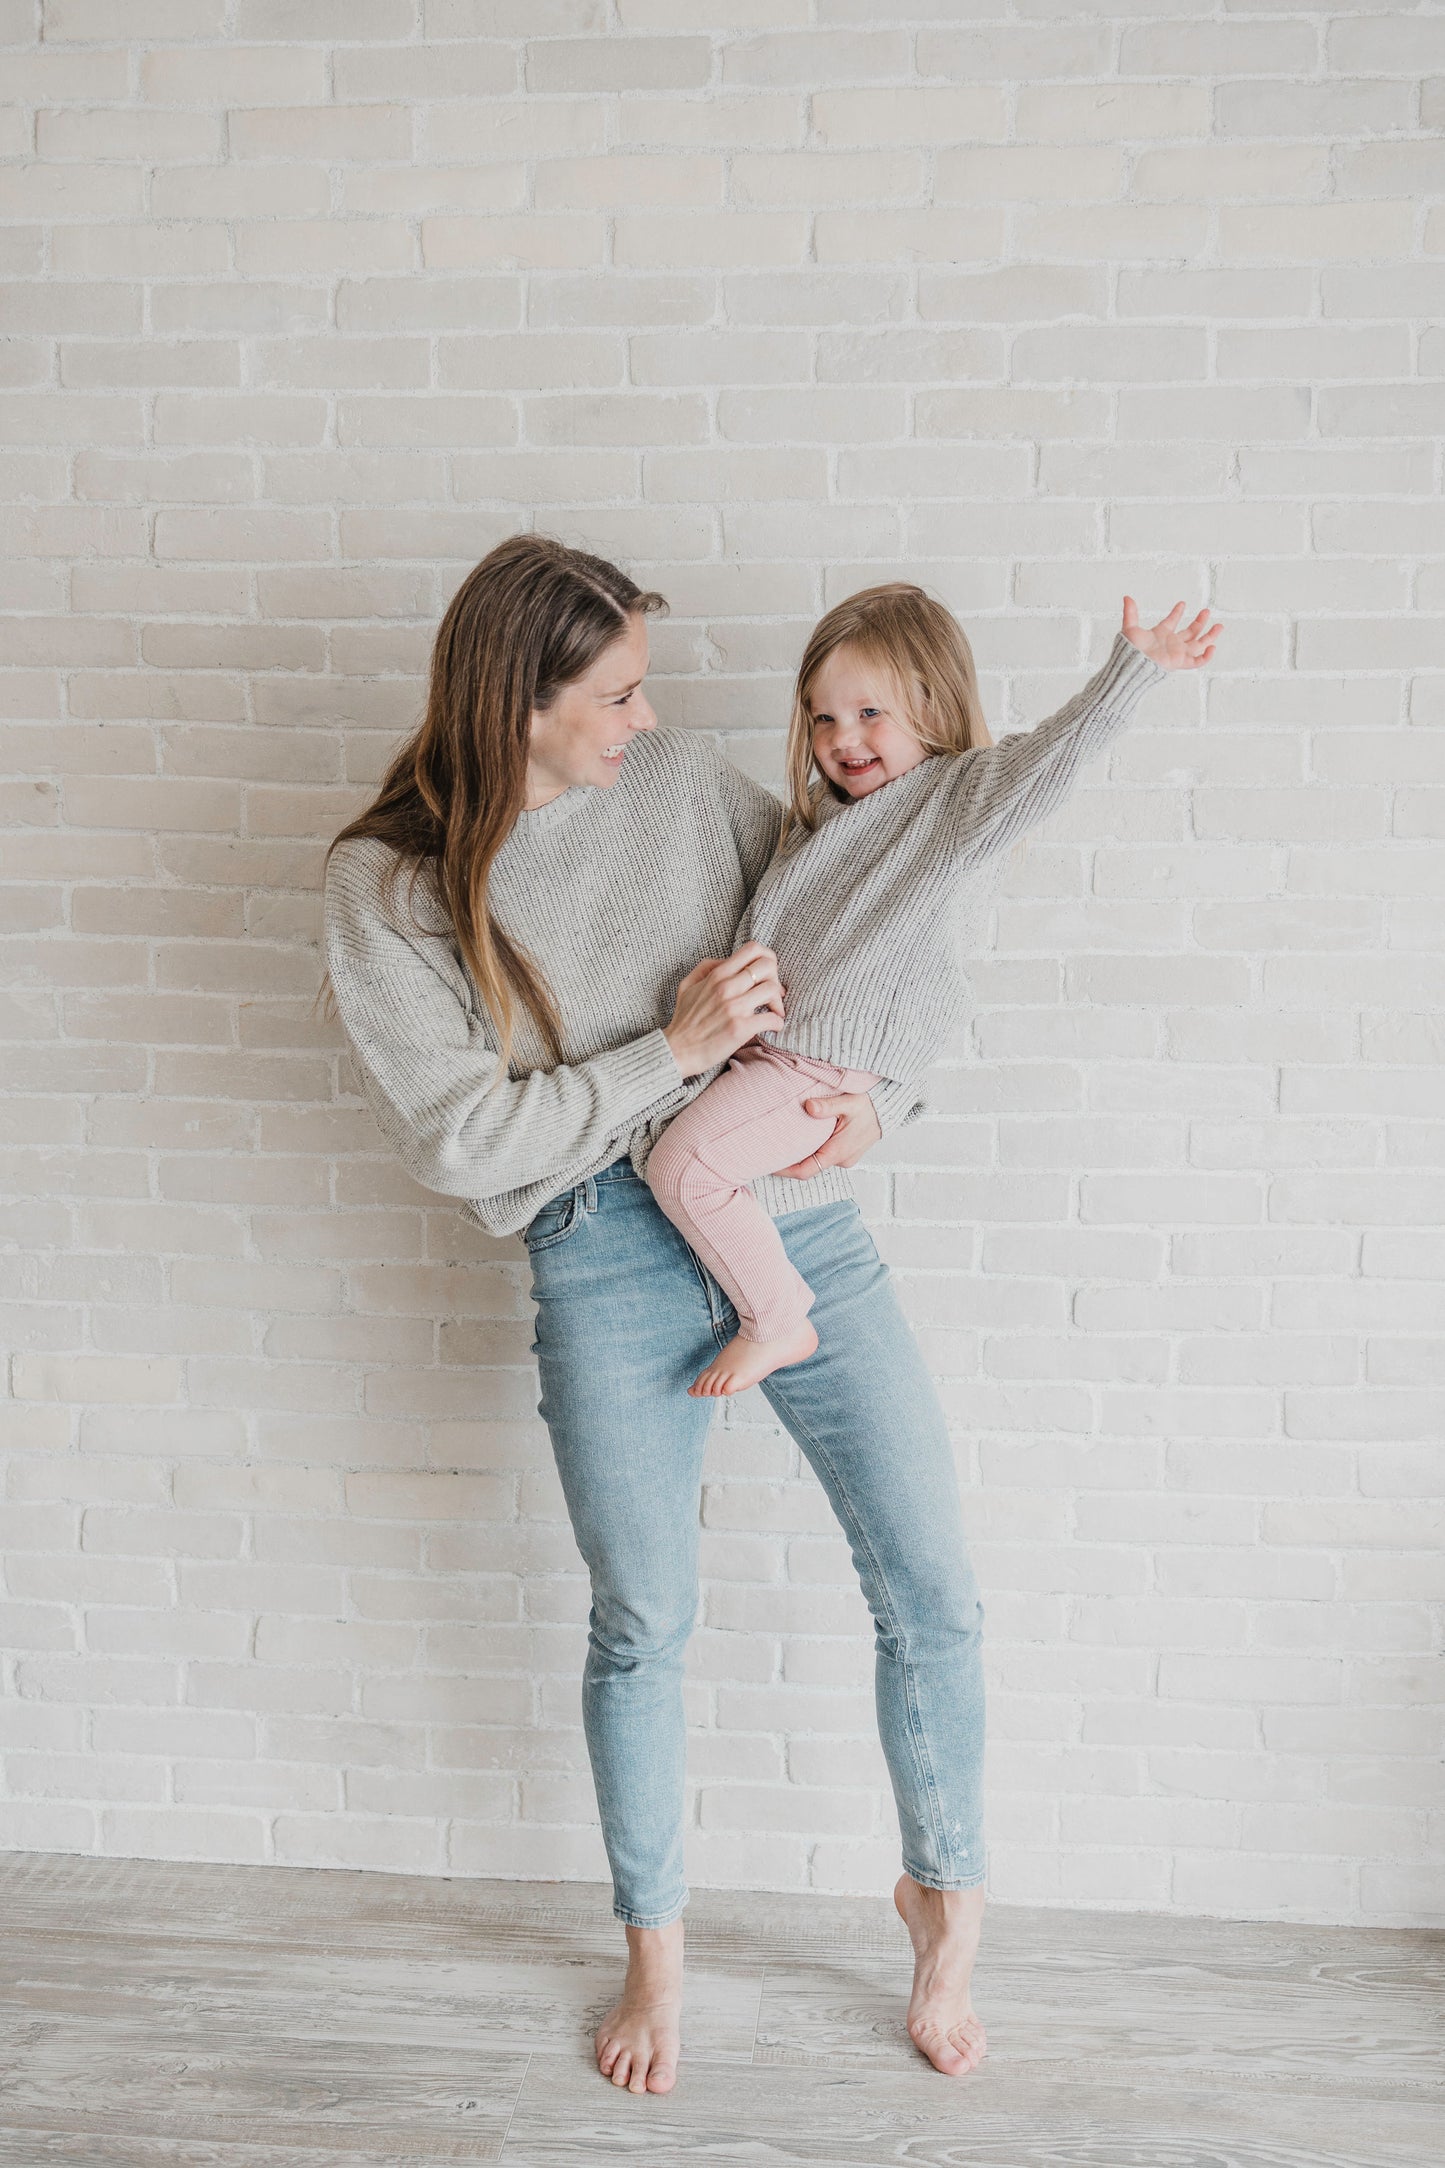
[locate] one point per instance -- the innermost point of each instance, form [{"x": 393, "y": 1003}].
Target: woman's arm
[
  {"x": 428, "y": 1072},
  {"x": 755, "y": 817}
]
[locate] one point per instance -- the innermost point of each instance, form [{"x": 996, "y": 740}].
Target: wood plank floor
[{"x": 178, "y": 2016}]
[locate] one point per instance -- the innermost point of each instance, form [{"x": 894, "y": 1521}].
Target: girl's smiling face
[{"x": 861, "y": 735}]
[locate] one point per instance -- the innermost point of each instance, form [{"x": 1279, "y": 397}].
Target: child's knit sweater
[{"x": 865, "y": 911}]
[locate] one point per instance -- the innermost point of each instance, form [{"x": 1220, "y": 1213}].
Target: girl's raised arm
[{"x": 1001, "y": 791}]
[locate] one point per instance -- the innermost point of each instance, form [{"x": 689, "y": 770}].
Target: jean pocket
[{"x": 553, "y": 1223}]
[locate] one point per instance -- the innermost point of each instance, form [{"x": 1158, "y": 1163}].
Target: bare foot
[
  {"x": 743, "y": 1362},
  {"x": 943, "y": 1926},
  {"x": 638, "y": 2041}
]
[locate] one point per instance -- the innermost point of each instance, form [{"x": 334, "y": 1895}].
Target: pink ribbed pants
[{"x": 749, "y": 1121}]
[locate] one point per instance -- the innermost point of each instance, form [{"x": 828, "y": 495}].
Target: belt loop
[{"x": 589, "y": 1193}]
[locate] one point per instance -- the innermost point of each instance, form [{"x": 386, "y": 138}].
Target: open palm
[{"x": 1172, "y": 645}]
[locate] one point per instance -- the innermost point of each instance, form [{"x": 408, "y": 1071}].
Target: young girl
[{"x": 884, "y": 854}]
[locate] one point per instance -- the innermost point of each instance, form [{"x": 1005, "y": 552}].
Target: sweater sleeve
[
  {"x": 429, "y": 1075},
  {"x": 1001, "y": 791},
  {"x": 896, "y": 1102},
  {"x": 755, "y": 817}
]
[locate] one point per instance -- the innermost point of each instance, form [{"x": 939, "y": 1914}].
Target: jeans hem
[
  {"x": 630, "y": 1918},
  {"x": 929, "y": 1881}
]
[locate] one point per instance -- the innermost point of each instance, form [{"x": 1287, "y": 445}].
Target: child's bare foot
[
  {"x": 742, "y": 1362},
  {"x": 639, "y": 2040},
  {"x": 943, "y": 1926}
]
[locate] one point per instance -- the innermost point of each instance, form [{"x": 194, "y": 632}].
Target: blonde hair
[{"x": 925, "y": 652}]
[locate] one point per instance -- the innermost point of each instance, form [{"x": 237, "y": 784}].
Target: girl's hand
[
  {"x": 856, "y": 1130},
  {"x": 721, "y": 1004},
  {"x": 1172, "y": 645}
]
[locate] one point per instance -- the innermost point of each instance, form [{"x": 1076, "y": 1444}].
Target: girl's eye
[{"x": 867, "y": 711}]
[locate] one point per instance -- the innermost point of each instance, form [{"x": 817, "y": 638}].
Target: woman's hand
[
  {"x": 856, "y": 1130},
  {"x": 1172, "y": 645},
  {"x": 721, "y": 1004}
]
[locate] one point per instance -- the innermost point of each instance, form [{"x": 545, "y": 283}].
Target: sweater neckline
[
  {"x": 536, "y": 820},
  {"x": 839, "y": 806}
]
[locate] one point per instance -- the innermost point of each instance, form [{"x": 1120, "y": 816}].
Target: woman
[{"x": 528, "y": 936}]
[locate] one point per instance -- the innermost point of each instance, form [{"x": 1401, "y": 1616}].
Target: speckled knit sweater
[{"x": 866, "y": 912}]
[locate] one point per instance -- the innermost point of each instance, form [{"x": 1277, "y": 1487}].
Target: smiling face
[
  {"x": 582, "y": 739},
  {"x": 861, "y": 734}
]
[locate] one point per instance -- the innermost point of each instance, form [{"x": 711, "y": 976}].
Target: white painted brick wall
[{"x": 310, "y": 301}]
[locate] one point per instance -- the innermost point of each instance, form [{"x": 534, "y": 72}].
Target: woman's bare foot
[
  {"x": 743, "y": 1362},
  {"x": 943, "y": 1926},
  {"x": 638, "y": 2041}
]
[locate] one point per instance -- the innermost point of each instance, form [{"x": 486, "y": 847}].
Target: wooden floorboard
[{"x": 161, "y": 2015}]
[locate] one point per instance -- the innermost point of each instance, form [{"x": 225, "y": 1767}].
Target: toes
[
  {"x": 662, "y": 2078},
  {"x": 939, "y": 2048},
  {"x": 968, "y": 2039},
  {"x": 621, "y": 2067}
]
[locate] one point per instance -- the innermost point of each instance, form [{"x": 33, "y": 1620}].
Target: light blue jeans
[{"x": 626, "y": 1317}]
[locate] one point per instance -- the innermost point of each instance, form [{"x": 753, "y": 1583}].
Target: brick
[
  {"x": 1338, "y": 229},
  {"x": 816, "y": 177},
  {"x": 535, "y": 240},
  {"x": 912, "y": 114},
  {"x": 517, "y": 129},
  {"x": 1058, "y": 112},
  {"x": 238, "y": 75},
  {"x": 418, "y": 73},
  {"x": 1326, "y": 106},
  {"x": 256, "y": 306},
  {"x": 324, "y": 136},
  {"x": 664, "y": 239},
  {"x": 627, "y": 183},
  {"x": 112, "y": 21},
  {"x": 618, "y": 64},
  {"x": 925, "y": 235},
  {"x": 236, "y": 191},
  {"x": 301, "y": 245}
]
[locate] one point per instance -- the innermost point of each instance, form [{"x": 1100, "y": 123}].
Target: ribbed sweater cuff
[
  {"x": 1124, "y": 674},
  {"x": 642, "y": 1071},
  {"x": 895, "y": 1103}
]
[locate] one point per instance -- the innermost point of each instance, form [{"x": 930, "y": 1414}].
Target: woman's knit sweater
[{"x": 616, "y": 894}]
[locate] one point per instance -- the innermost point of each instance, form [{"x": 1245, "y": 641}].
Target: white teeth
[{"x": 610, "y": 750}]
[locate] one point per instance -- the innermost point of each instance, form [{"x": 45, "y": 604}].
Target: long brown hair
[
  {"x": 923, "y": 649},
  {"x": 532, "y": 617}
]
